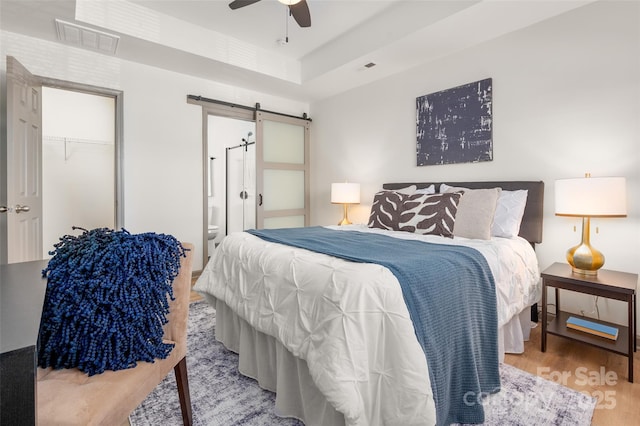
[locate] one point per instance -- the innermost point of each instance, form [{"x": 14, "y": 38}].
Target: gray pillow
[{"x": 475, "y": 213}]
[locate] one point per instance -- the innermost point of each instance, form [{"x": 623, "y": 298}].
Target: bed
[{"x": 334, "y": 337}]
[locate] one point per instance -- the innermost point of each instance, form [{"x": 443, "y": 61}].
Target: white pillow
[
  {"x": 431, "y": 189},
  {"x": 509, "y": 212},
  {"x": 407, "y": 190},
  {"x": 413, "y": 189},
  {"x": 446, "y": 188}
]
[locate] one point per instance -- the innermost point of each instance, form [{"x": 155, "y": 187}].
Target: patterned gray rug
[{"x": 221, "y": 396}]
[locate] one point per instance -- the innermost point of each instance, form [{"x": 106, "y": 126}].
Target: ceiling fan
[{"x": 299, "y": 9}]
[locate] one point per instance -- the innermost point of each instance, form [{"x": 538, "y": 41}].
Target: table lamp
[
  {"x": 589, "y": 197},
  {"x": 345, "y": 194}
]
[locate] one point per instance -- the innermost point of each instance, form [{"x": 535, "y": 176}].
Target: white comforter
[{"x": 348, "y": 320}]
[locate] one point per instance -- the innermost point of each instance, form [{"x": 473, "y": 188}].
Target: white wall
[
  {"x": 163, "y": 184},
  {"x": 78, "y": 146},
  {"x": 566, "y": 101}
]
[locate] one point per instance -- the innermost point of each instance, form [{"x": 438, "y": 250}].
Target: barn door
[{"x": 282, "y": 163}]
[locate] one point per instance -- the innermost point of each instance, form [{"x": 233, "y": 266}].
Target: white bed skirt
[{"x": 266, "y": 360}]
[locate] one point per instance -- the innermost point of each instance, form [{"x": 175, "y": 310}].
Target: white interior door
[
  {"x": 24, "y": 158},
  {"x": 282, "y": 162}
]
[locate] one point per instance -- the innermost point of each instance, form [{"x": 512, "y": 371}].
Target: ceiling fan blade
[
  {"x": 300, "y": 12},
  {"x": 237, "y": 4}
]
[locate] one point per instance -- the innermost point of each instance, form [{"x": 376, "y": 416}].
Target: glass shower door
[{"x": 241, "y": 187}]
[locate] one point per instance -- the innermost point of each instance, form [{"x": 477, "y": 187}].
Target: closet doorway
[
  {"x": 62, "y": 161},
  {"x": 78, "y": 163}
]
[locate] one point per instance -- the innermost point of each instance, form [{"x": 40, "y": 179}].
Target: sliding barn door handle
[{"x": 259, "y": 199}]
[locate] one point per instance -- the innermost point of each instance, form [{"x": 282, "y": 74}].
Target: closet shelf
[{"x": 66, "y": 141}]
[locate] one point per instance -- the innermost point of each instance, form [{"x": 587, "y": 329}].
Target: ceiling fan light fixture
[{"x": 289, "y": 2}]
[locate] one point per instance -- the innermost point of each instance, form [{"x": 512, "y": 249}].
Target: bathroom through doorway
[
  {"x": 265, "y": 183},
  {"x": 231, "y": 193}
]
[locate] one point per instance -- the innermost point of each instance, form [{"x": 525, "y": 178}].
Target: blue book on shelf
[{"x": 594, "y": 327}]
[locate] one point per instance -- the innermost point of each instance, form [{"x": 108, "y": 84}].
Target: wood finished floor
[
  {"x": 586, "y": 369},
  {"x": 583, "y": 368}
]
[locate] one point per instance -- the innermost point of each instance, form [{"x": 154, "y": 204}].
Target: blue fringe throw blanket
[{"x": 107, "y": 300}]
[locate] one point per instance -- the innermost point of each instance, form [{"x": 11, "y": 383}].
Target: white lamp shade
[
  {"x": 595, "y": 197},
  {"x": 345, "y": 193}
]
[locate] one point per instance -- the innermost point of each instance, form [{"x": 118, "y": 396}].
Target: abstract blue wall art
[{"x": 455, "y": 125}]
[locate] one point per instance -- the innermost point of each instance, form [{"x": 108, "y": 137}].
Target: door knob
[
  {"x": 3, "y": 209},
  {"x": 20, "y": 209}
]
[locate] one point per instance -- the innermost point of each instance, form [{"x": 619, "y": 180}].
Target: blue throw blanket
[{"x": 450, "y": 294}]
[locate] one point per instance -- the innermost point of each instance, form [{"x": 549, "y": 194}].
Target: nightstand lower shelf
[
  {"x": 607, "y": 284},
  {"x": 558, "y": 327}
]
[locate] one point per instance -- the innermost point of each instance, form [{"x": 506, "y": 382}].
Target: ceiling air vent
[{"x": 86, "y": 37}]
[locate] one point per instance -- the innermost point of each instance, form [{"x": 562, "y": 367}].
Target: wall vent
[{"x": 85, "y": 37}]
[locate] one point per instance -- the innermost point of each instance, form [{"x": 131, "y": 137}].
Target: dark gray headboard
[{"x": 531, "y": 227}]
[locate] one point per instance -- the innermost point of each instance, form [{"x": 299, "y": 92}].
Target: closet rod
[
  {"x": 76, "y": 140},
  {"x": 248, "y": 108}
]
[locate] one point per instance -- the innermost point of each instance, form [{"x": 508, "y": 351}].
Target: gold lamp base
[
  {"x": 345, "y": 220},
  {"x": 583, "y": 258}
]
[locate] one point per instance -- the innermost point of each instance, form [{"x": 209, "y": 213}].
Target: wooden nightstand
[{"x": 608, "y": 284}]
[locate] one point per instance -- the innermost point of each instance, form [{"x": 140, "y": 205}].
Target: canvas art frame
[{"x": 455, "y": 125}]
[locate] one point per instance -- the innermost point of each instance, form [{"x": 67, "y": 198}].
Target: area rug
[{"x": 220, "y": 396}]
